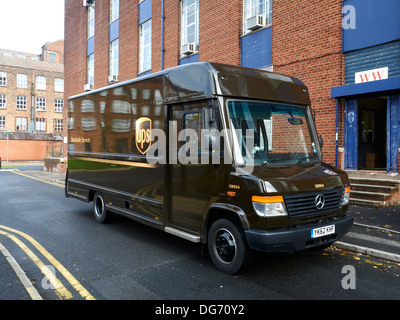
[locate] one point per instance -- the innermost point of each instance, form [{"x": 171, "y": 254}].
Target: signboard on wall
[{"x": 372, "y": 75}]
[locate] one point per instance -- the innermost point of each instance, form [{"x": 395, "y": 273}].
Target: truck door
[{"x": 191, "y": 181}]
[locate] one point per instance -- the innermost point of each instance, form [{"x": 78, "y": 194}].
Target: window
[
  {"x": 190, "y": 23},
  {"x": 254, "y": 8},
  {"x": 21, "y": 56},
  {"x": 20, "y": 124},
  {"x": 114, "y": 10},
  {"x": 59, "y": 85},
  {"x": 145, "y": 47},
  {"x": 114, "y": 58},
  {"x": 22, "y": 81},
  {"x": 90, "y": 22},
  {"x": 3, "y": 123},
  {"x": 21, "y": 103},
  {"x": 40, "y": 104},
  {"x": 40, "y": 83},
  {"x": 3, "y": 79},
  {"x": 40, "y": 124},
  {"x": 52, "y": 57},
  {"x": 7, "y": 54},
  {"x": 90, "y": 69},
  {"x": 58, "y": 105},
  {"x": 3, "y": 101},
  {"x": 58, "y": 125}
]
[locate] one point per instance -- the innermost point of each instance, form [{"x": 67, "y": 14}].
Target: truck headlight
[
  {"x": 269, "y": 206},
  {"x": 346, "y": 196}
]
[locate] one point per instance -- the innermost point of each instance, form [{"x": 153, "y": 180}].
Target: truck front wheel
[{"x": 227, "y": 247}]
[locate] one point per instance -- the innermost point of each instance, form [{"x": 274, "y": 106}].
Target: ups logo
[{"x": 143, "y": 134}]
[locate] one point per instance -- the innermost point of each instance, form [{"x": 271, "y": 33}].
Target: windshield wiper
[{"x": 305, "y": 158}]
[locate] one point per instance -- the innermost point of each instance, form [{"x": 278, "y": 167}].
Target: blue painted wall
[
  {"x": 113, "y": 32},
  {"x": 256, "y": 49},
  {"x": 377, "y": 22},
  {"x": 386, "y": 55},
  {"x": 90, "y": 46},
  {"x": 189, "y": 59},
  {"x": 145, "y": 8}
]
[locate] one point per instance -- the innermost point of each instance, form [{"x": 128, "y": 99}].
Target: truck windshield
[{"x": 271, "y": 134}]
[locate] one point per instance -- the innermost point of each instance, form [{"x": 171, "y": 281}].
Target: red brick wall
[
  {"x": 307, "y": 44},
  {"x": 220, "y": 25},
  {"x": 28, "y": 150}
]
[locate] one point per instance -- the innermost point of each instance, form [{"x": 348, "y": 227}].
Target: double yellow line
[{"x": 60, "y": 289}]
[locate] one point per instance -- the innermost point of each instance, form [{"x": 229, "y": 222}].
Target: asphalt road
[{"x": 126, "y": 260}]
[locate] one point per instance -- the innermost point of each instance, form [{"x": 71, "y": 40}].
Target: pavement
[{"x": 376, "y": 231}]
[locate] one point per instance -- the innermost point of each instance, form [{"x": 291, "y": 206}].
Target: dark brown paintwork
[{"x": 103, "y": 156}]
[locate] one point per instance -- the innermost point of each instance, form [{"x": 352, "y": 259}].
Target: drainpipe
[
  {"x": 337, "y": 131},
  {"x": 162, "y": 34}
]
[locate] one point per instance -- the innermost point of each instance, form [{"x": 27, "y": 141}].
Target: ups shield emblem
[{"x": 143, "y": 134}]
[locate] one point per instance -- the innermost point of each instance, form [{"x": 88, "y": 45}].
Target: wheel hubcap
[
  {"x": 99, "y": 206},
  {"x": 225, "y": 246}
]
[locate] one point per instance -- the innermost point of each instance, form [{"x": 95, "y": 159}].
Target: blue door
[
  {"x": 351, "y": 135},
  {"x": 393, "y": 132}
]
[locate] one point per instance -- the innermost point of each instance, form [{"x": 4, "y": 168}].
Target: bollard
[{"x": 0, "y": 162}]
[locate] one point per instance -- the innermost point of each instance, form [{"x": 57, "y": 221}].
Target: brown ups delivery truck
[{"x": 221, "y": 155}]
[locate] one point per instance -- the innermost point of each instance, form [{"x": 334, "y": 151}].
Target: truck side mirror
[{"x": 321, "y": 141}]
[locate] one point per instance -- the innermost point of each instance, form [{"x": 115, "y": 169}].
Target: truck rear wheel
[
  {"x": 227, "y": 247},
  {"x": 99, "y": 209}
]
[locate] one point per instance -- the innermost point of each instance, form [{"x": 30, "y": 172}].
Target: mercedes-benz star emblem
[{"x": 319, "y": 201}]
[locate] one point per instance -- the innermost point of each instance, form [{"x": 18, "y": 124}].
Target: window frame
[
  {"x": 114, "y": 10},
  {"x": 114, "y": 63},
  {"x": 58, "y": 105},
  {"x": 184, "y": 26},
  {"x": 3, "y": 101},
  {"x": 145, "y": 32},
  {"x": 3, "y": 79},
  {"x": 254, "y": 7},
  {"x": 3, "y": 123},
  {"x": 41, "y": 83},
  {"x": 58, "y": 85},
  {"x": 90, "y": 22},
  {"x": 25, "y": 124},
  {"x": 21, "y": 103},
  {"x": 22, "y": 81},
  {"x": 40, "y": 104},
  {"x": 40, "y": 124}
]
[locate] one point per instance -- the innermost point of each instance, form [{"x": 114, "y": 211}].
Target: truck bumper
[{"x": 298, "y": 238}]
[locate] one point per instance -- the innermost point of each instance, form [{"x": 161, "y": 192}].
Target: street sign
[{"x": 8, "y": 132}]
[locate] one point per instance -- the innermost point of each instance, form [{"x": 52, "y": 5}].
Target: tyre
[
  {"x": 99, "y": 209},
  {"x": 227, "y": 247}
]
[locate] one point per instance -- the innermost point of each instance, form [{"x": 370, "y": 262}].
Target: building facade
[
  {"x": 31, "y": 101},
  {"x": 107, "y": 41}
]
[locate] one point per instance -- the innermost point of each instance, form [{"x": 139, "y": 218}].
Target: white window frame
[
  {"x": 3, "y": 101},
  {"x": 190, "y": 20},
  {"x": 21, "y": 103},
  {"x": 2, "y": 123},
  {"x": 21, "y": 124},
  {"x": 58, "y": 125},
  {"x": 145, "y": 46},
  {"x": 253, "y": 8},
  {"x": 40, "y": 124},
  {"x": 90, "y": 26},
  {"x": 40, "y": 104},
  {"x": 22, "y": 80},
  {"x": 40, "y": 83},
  {"x": 114, "y": 57},
  {"x": 58, "y": 105},
  {"x": 3, "y": 79},
  {"x": 58, "y": 85},
  {"x": 114, "y": 10},
  {"x": 90, "y": 69}
]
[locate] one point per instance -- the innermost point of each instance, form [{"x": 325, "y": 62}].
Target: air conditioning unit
[
  {"x": 255, "y": 22},
  {"x": 188, "y": 48},
  {"x": 88, "y": 87},
  {"x": 113, "y": 78},
  {"x": 88, "y": 3}
]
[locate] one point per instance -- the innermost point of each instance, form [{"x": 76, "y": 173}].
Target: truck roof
[{"x": 205, "y": 80}]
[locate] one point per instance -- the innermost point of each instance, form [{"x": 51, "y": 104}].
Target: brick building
[
  {"x": 321, "y": 42},
  {"x": 31, "y": 102}
]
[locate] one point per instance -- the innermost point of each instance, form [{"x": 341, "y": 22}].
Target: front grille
[{"x": 303, "y": 204}]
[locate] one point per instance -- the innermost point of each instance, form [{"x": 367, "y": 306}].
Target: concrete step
[
  {"x": 373, "y": 187},
  {"x": 370, "y": 195},
  {"x": 367, "y": 203}
]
